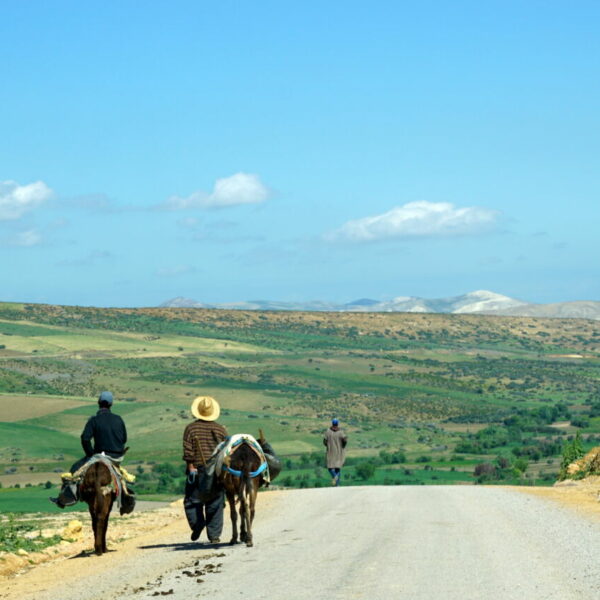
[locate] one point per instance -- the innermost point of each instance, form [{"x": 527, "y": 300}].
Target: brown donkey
[
  {"x": 94, "y": 490},
  {"x": 241, "y": 478}
]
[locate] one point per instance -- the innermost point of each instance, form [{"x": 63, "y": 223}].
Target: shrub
[
  {"x": 365, "y": 470},
  {"x": 572, "y": 451}
]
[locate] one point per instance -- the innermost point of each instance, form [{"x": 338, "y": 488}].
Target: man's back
[
  {"x": 335, "y": 440},
  {"x": 108, "y": 432},
  {"x": 200, "y": 438}
]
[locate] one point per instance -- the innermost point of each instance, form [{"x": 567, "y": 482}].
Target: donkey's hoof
[
  {"x": 249, "y": 543},
  {"x": 233, "y": 541}
]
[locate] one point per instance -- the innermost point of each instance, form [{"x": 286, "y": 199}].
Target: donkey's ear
[{"x": 261, "y": 436}]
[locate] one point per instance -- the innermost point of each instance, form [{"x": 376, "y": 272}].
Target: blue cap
[
  {"x": 106, "y": 397},
  {"x": 335, "y": 422}
]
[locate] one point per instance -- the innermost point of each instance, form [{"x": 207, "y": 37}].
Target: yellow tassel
[{"x": 127, "y": 476}]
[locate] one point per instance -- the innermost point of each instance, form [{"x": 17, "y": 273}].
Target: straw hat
[{"x": 206, "y": 408}]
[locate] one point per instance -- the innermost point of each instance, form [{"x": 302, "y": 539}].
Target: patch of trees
[
  {"x": 502, "y": 469},
  {"x": 163, "y": 478},
  {"x": 516, "y": 430}
]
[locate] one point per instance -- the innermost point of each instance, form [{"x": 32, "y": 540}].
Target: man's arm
[
  {"x": 219, "y": 434},
  {"x": 124, "y": 432},
  {"x": 86, "y": 437},
  {"x": 188, "y": 450}
]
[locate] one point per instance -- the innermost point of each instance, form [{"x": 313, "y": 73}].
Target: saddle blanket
[
  {"x": 119, "y": 479},
  {"x": 224, "y": 450}
]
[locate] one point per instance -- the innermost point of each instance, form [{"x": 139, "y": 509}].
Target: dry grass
[
  {"x": 32, "y": 478},
  {"x": 581, "y": 496},
  {"x": 123, "y": 344},
  {"x": 19, "y": 407},
  {"x": 463, "y": 427}
]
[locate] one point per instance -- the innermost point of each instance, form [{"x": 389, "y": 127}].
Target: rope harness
[{"x": 226, "y": 448}]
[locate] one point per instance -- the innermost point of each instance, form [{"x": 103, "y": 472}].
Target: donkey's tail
[
  {"x": 245, "y": 482},
  {"x": 98, "y": 488}
]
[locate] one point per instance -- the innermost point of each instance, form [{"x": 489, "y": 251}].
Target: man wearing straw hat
[{"x": 200, "y": 438}]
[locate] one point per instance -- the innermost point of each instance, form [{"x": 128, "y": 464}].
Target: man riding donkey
[
  {"x": 109, "y": 434},
  {"x": 204, "y": 497}
]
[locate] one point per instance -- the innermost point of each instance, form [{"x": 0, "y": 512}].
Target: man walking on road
[
  {"x": 200, "y": 438},
  {"x": 335, "y": 441}
]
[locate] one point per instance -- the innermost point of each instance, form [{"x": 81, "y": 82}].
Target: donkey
[
  {"x": 94, "y": 489},
  {"x": 241, "y": 478}
]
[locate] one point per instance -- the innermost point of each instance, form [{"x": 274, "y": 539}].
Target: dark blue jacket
[{"x": 109, "y": 434}]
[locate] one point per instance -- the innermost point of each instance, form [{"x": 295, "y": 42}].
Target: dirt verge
[{"x": 582, "y": 496}]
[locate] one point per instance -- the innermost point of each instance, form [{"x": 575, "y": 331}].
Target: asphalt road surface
[{"x": 423, "y": 542}]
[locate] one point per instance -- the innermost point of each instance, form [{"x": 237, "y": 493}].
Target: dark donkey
[
  {"x": 241, "y": 477},
  {"x": 95, "y": 489}
]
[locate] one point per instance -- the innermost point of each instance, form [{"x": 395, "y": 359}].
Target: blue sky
[{"x": 229, "y": 151}]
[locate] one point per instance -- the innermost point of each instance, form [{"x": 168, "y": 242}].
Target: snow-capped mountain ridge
[
  {"x": 473, "y": 302},
  {"x": 479, "y": 301}
]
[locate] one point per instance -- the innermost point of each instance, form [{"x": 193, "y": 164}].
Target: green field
[
  {"x": 31, "y": 500},
  {"x": 457, "y": 390}
]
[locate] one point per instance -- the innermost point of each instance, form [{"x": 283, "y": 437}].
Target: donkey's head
[{"x": 261, "y": 439}]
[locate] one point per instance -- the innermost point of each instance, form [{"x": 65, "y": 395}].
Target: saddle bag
[
  {"x": 206, "y": 482},
  {"x": 127, "y": 500},
  {"x": 203, "y": 485}
]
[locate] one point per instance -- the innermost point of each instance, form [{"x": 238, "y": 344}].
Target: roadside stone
[
  {"x": 10, "y": 564},
  {"x": 72, "y": 531}
]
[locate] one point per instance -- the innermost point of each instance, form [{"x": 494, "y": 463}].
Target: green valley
[{"x": 425, "y": 398}]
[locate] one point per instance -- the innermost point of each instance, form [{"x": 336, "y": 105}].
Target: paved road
[
  {"x": 452, "y": 543},
  {"x": 405, "y": 542}
]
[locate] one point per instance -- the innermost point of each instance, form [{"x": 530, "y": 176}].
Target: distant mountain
[
  {"x": 583, "y": 309},
  {"x": 480, "y": 301},
  {"x": 473, "y": 302},
  {"x": 181, "y": 302}
]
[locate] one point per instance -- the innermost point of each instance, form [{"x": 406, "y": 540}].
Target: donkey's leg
[
  {"x": 108, "y": 502},
  {"x": 98, "y": 535},
  {"x": 233, "y": 515},
  {"x": 243, "y": 518},
  {"x": 250, "y": 497},
  {"x": 251, "y": 507},
  {"x": 100, "y": 543},
  {"x": 94, "y": 517}
]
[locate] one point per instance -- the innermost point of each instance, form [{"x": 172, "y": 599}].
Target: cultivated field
[{"x": 425, "y": 398}]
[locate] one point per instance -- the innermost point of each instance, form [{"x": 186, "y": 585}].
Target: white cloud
[
  {"x": 31, "y": 237},
  {"x": 241, "y": 188},
  {"x": 16, "y": 200},
  {"x": 418, "y": 219}
]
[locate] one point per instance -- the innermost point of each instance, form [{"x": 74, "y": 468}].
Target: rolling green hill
[{"x": 446, "y": 392}]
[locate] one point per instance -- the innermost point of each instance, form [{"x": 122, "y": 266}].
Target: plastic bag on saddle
[{"x": 272, "y": 460}]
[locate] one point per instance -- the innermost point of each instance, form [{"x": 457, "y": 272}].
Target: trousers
[{"x": 204, "y": 514}]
